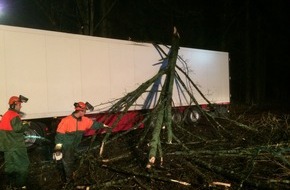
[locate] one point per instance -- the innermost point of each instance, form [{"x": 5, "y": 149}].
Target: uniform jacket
[
  {"x": 11, "y": 131},
  {"x": 71, "y": 129}
]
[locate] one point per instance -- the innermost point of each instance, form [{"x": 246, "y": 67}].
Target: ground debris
[{"x": 242, "y": 159}]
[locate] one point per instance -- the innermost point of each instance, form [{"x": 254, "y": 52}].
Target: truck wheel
[
  {"x": 176, "y": 117},
  {"x": 34, "y": 134},
  {"x": 192, "y": 116},
  {"x": 29, "y": 138}
]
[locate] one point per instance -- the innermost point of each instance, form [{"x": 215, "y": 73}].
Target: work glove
[
  {"x": 107, "y": 128},
  {"x": 57, "y": 154},
  {"x": 27, "y": 123}
]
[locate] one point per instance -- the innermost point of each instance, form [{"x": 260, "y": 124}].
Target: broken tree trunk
[{"x": 164, "y": 107}]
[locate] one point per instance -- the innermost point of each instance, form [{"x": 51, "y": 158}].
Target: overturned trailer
[{"x": 55, "y": 69}]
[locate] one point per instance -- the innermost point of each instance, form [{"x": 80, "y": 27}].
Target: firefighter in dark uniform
[
  {"x": 69, "y": 135},
  {"x": 12, "y": 143}
]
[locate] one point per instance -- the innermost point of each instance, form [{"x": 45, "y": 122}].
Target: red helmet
[
  {"x": 80, "y": 106},
  {"x": 14, "y": 100}
]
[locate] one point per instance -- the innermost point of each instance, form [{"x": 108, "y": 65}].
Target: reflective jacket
[
  {"x": 11, "y": 131},
  {"x": 71, "y": 129}
]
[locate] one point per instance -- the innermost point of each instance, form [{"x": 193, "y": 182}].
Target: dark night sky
[{"x": 256, "y": 32}]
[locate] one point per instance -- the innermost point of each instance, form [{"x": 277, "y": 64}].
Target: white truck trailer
[{"x": 55, "y": 69}]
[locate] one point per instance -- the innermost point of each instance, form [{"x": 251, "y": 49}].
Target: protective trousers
[
  {"x": 69, "y": 162},
  {"x": 16, "y": 166}
]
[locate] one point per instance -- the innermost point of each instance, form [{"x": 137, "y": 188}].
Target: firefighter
[
  {"x": 69, "y": 135},
  {"x": 12, "y": 143}
]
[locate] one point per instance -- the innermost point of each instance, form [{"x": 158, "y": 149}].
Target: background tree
[{"x": 254, "y": 33}]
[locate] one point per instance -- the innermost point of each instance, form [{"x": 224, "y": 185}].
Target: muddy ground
[{"x": 247, "y": 150}]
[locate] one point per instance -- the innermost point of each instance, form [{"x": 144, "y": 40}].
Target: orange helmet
[
  {"x": 80, "y": 106},
  {"x": 14, "y": 100}
]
